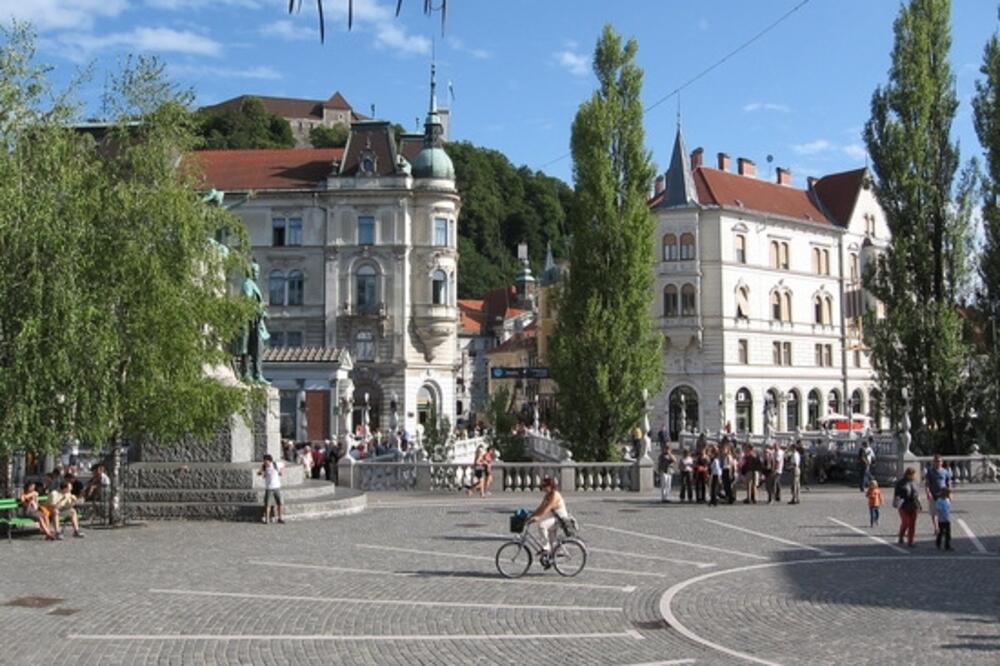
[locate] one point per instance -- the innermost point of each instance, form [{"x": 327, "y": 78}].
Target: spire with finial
[
  {"x": 433, "y": 129},
  {"x": 679, "y": 189}
]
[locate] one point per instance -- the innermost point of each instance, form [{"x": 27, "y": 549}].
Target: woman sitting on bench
[{"x": 29, "y": 504}]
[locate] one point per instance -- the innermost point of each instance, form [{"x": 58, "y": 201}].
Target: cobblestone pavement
[{"x": 412, "y": 581}]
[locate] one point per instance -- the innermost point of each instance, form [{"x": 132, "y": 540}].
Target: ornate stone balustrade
[{"x": 976, "y": 468}]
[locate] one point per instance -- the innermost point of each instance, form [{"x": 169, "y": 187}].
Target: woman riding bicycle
[{"x": 549, "y": 514}]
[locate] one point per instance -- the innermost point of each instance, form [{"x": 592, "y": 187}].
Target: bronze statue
[{"x": 253, "y": 341}]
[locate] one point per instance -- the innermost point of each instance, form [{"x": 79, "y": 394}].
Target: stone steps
[
  {"x": 307, "y": 490},
  {"x": 200, "y": 476},
  {"x": 298, "y": 506}
]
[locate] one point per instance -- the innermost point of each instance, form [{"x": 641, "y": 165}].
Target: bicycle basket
[{"x": 517, "y": 523}]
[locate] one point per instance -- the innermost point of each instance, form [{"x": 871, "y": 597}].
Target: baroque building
[
  {"x": 358, "y": 255},
  {"x": 759, "y": 295}
]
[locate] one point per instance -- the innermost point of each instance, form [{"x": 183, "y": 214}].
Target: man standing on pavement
[
  {"x": 795, "y": 460},
  {"x": 866, "y": 457},
  {"x": 938, "y": 478},
  {"x": 665, "y": 465},
  {"x": 777, "y": 467}
]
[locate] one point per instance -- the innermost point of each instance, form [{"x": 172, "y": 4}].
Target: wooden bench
[{"x": 10, "y": 506}]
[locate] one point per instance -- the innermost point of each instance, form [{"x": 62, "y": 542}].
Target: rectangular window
[
  {"x": 277, "y": 339},
  {"x": 293, "y": 234},
  {"x": 278, "y": 232},
  {"x": 366, "y": 230},
  {"x": 819, "y": 355},
  {"x": 743, "y": 351},
  {"x": 293, "y": 339},
  {"x": 828, "y": 355},
  {"x": 776, "y": 348},
  {"x": 741, "y": 249},
  {"x": 857, "y": 358},
  {"x": 786, "y": 352},
  {"x": 440, "y": 231},
  {"x": 783, "y": 255}
]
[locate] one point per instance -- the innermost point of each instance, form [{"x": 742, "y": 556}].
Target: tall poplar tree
[
  {"x": 987, "y": 122},
  {"x": 604, "y": 351},
  {"x": 919, "y": 343}
]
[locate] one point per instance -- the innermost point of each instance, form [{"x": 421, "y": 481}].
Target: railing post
[
  {"x": 567, "y": 477},
  {"x": 345, "y": 471},
  {"x": 642, "y": 475},
  {"x": 424, "y": 481}
]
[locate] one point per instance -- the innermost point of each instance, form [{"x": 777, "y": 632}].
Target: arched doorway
[
  {"x": 375, "y": 410},
  {"x": 690, "y": 411},
  {"x": 744, "y": 410},
  {"x": 857, "y": 402},
  {"x": 833, "y": 402},
  {"x": 428, "y": 399},
  {"x": 812, "y": 417},
  {"x": 792, "y": 411}
]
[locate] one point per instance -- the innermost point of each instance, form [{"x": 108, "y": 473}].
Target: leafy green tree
[
  {"x": 919, "y": 343},
  {"x": 48, "y": 192},
  {"x": 249, "y": 126},
  {"x": 329, "y": 137},
  {"x": 438, "y": 440},
  {"x": 604, "y": 351},
  {"x": 987, "y": 122},
  {"x": 502, "y": 421}
]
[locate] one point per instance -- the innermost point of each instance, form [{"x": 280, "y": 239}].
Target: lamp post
[
  {"x": 682, "y": 427},
  {"x": 722, "y": 414}
]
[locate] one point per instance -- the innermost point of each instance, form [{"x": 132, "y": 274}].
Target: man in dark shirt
[{"x": 938, "y": 478}]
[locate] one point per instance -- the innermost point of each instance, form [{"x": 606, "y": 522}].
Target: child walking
[
  {"x": 874, "y": 502},
  {"x": 943, "y": 503}
]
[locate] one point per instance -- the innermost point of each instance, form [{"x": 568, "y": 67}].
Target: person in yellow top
[
  {"x": 62, "y": 500},
  {"x": 874, "y": 496}
]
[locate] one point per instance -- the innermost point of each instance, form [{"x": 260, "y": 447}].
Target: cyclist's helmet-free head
[{"x": 548, "y": 483}]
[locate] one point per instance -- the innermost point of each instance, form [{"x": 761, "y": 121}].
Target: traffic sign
[{"x": 519, "y": 373}]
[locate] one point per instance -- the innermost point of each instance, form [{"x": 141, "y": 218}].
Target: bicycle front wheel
[
  {"x": 570, "y": 557},
  {"x": 513, "y": 559}
]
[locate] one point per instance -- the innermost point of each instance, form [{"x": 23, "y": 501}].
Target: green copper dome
[{"x": 433, "y": 162}]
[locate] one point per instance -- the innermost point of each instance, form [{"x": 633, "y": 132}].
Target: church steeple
[
  {"x": 432, "y": 126},
  {"x": 679, "y": 189},
  {"x": 432, "y": 161}
]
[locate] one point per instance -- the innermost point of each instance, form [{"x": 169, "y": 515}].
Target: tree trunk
[
  {"x": 115, "y": 503},
  {"x": 7, "y": 469}
]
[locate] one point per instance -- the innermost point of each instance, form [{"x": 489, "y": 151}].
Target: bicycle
[{"x": 514, "y": 558}]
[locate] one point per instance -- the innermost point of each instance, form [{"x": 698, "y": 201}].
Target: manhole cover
[
  {"x": 34, "y": 602},
  {"x": 651, "y": 624},
  {"x": 64, "y": 611},
  {"x": 471, "y": 525}
]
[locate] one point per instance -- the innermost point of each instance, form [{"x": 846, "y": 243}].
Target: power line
[{"x": 710, "y": 68}]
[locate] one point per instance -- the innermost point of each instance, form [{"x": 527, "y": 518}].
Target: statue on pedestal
[{"x": 252, "y": 342}]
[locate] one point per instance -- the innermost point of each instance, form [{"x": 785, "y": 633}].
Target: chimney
[
  {"x": 784, "y": 176},
  {"x": 746, "y": 167},
  {"x": 723, "y": 162},
  {"x": 811, "y": 182},
  {"x": 661, "y": 184},
  {"x": 696, "y": 157}
]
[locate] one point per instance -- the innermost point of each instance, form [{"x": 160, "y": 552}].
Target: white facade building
[
  {"x": 759, "y": 295},
  {"x": 358, "y": 253}
]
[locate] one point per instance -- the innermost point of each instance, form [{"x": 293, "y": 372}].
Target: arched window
[
  {"x": 669, "y": 247},
  {"x": 783, "y": 256},
  {"x": 741, "y": 249},
  {"x": 775, "y": 306},
  {"x": 439, "y": 288},
  {"x": 743, "y": 303},
  {"x": 818, "y": 309},
  {"x": 792, "y": 410},
  {"x": 786, "y": 306},
  {"x": 687, "y": 246},
  {"x": 366, "y": 288},
  {"x": 744, "y": 410},
  {"x": 774, "y": 257},
  {"x": 364, "y": 346},
  {"x": 828, "y": 310},
  {"x": 812, "y": 413},
  {"x": 857, "y": 402},
  {"x": 689, "y": 421},
  {"x": 825, "y": 263},
  {"x": 295, "y": 287},
  {"x": 855, "y": 267},
  {"x": 688, "y": 308},
  {"x": 276, "y": 288},
  {"x": 670, "y": 301},
  {"x": 833, "y": 401}
]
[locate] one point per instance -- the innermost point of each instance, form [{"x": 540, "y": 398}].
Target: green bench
[{"x": 10, "y": 506}]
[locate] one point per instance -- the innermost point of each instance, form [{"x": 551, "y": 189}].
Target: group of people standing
[{"x": 712, "y": 472}]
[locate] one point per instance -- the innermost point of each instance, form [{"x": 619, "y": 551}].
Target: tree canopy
[
  {"x": 329, "y": 137},
  {"x": 249, "y": 126}
]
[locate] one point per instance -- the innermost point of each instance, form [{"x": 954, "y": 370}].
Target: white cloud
[
  {"x": 79, "y": 46},
  {"x": 371, "y": 16},
  {"x": 477, "y": 53},
  {"x": 47, "y": 15},
  {"x": 812, "y": 147},
  {"x": 855, "y": 150},
  {"x": 766, "y": 106},
  {"x": 577, "y": 64},
  {"x": 394, "y": 37},
  {"x": 287, "y": 30},
  {"x": 201, "y": 71}
]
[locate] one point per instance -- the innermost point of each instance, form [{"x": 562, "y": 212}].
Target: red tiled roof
[
  {"x": 471, "y": 315},
  {"x": 337, "y": 101},
  {"x": 302, "y": 355},
  {"x": 839, "y": 193},
  {"x": 285, "y": 169},
  {"x": 733, "y": 191}
]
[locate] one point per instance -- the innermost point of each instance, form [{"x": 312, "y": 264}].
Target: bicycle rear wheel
[
  {"x": 570, "y": 557},
  {"x": 513, "y": 559}
]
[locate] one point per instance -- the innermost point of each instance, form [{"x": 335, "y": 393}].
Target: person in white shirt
[
  {"x": 715, "y": 469},
  {"x": 272, "y": 489},
  {"x": 777, "y": 468},
  {"x": 795, "y": 460}
]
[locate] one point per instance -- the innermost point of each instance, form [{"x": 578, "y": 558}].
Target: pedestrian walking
[
  {"x": 906, "y": 498},
  {"x": 687, "y": 476},
  {"x": 866, "y": 457},
  {"x": 666, "y": 463},
  {"x": 795, "y": 465},
  {"x": 874, "y": 496},
  {"x": 944, "y": 519},
  {"x": 937, "y": 479}
]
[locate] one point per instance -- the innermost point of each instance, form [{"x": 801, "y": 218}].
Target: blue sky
[{"x": 520, "y": 68}]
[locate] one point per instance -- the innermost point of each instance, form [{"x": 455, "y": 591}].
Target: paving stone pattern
[{"x": 364, "y": 577}]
